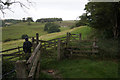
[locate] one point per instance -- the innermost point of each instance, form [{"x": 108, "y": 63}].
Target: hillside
[
  {"x": 83, "y": 29},
  {"x": 15, "y": 31}
]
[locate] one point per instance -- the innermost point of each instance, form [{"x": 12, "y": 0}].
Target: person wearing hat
[{"x": 27, "y": 48}]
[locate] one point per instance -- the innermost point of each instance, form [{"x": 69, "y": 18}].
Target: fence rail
[
  {"x": 8, "y": 55},
  {"x": 31, "y": 67},
  {"x": 11, "y": 49}
]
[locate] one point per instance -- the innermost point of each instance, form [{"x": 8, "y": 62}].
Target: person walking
[{"x": 27, "y": 48}]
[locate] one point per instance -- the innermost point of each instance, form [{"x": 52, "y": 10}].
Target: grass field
[
  {"x": 67, "y": 68},
  {"x": 77, "y": 67},
  {"x": 16, "y": 43},
  {"x": 17, "y": 30}
]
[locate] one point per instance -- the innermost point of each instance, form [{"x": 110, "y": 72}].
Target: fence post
[
  {"x": 80, "y": 37},
  {"x": 68, "y": 39},
  {"x": 21, "y": 69},
  {"x": 59, "y": 50},
  {"x": 55, "y": 44},
  {"x": 33, "y": 44},
  {"x": 19, "y": 51},
  {"x": 37, "y": 38},
  {"x": 94, "y": 45}
]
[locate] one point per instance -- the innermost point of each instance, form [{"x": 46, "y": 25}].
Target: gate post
[
  {"x": 68, "y": 39},
  {"x": 59, "y": 50},
  {"x": 80, "y": 37},
  {"x": 37, "y": 38}
]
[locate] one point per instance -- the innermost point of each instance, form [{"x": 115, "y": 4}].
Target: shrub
[
  {"x": 24, "y": 35},
  {"x": 51, "y": 27},
  {"x": 73, "y": 26}
]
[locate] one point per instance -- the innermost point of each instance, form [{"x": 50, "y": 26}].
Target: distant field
[
  {"x": 16, "y": 31},
  {"x": 66, "y": 23}
]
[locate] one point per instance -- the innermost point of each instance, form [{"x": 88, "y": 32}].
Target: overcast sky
[{"x": 65, "y": 9}]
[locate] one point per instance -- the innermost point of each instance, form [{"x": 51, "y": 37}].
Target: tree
[
  {"x": 48, "y": 19},
  {"x": 104, "y": 16},
  {"x": 23, "y": 20},
  {"x": 6, "y": 4},
  {"x": 51, "y": 27},
  {"x": 29, "y": 20}
]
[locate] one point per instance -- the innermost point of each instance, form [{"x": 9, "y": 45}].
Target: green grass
[
  {"x": 79, "y": 67},
  {"x": 86, "y": 32},
  {"x": 17, "y": 30},
  {"x": 86, "y": 68},
  {"x": 67, "y": 68},
  {"x": 16, "y": 43},
  {"x": 108, "y": 47},
  {"x": 67, "y": 23}
]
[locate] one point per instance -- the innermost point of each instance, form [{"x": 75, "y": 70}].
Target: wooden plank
[
  {"x": 42, "y": 41},
  {"x": 34, "y": 53},
  {"x": 12, "y": 54},
  {"x": 82, "y": 40},
  {"x": 38, "y": 70},
  {"x": 33, "y": 69},
  {"x": 10, "y": 49},
  {"x": 80, "y": 51},
  {"x": 73, "y": 34},
  {"x": 14, "y": 57},
  {"x": 80, "y": 47}
]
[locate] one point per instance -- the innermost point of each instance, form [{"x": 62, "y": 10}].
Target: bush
[
  {"x": 73, "y": 26},
  {"x": 80, "y": 23},
  {"x": 24, "y": 35},
  {"x": 51, "y": 27}
]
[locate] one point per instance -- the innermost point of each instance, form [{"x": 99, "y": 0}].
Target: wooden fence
[
  {"x": 10, "y": 54},
  {"x": 31, "y": 67}
]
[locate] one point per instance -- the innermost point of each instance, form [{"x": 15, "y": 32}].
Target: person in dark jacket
[{"x": 27, "y": 48}]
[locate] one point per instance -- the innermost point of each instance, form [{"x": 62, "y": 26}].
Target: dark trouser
[{"x": 27, "y": 55}]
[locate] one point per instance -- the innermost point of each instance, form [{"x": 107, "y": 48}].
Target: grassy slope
[
  {"x": 17, "y": 30},
  {"x": 78, "y": 68},
  {"x": 16, "y": 43}
]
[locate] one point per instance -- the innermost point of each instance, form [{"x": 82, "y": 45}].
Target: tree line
[
  {"x": 48, "y": 20},
  {"x": 104, "y": 17},
  {"x": 8, "y": 22}
]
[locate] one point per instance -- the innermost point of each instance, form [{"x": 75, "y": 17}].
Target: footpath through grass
[{"x": 83, "y": 29}]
